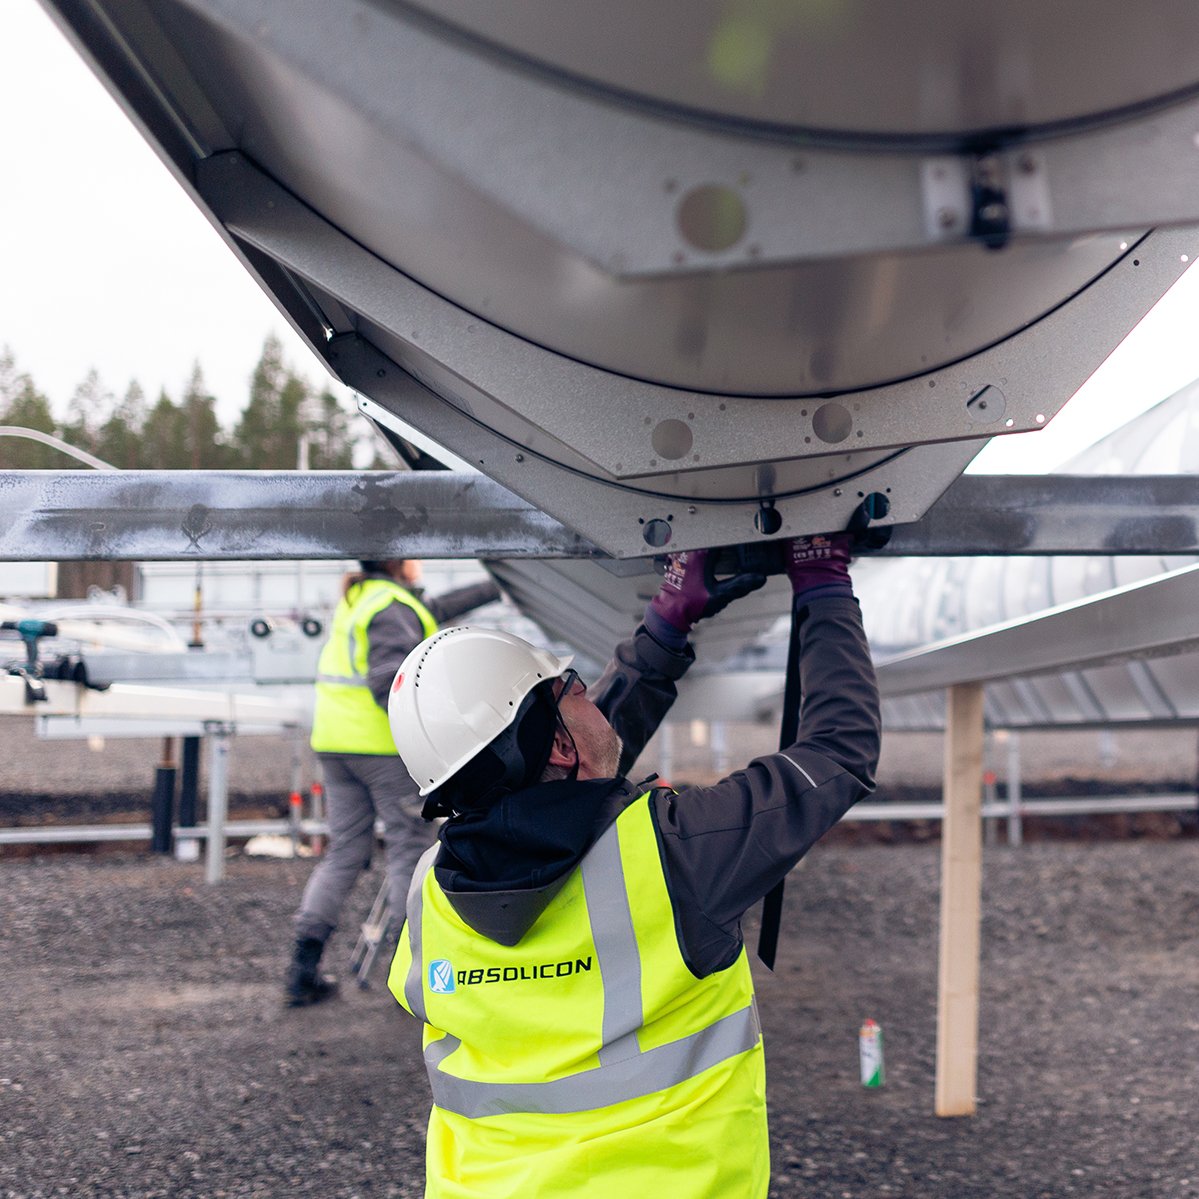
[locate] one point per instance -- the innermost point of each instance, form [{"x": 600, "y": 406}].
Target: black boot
[{"x": 304, "y": 983}]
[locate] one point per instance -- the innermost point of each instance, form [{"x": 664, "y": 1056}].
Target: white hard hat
[{"x": 456, "y": 692}]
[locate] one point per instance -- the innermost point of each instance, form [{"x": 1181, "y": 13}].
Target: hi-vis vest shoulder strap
[
  {"x": 346, "y": 718},
  {"x": 584, "y": 1032}
]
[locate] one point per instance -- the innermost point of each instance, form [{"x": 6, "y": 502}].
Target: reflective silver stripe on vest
[
  {"x": 615, "y": 946},
  {"x": 414, "y": 983},
  {"x": 353, "y": 643},
  {"x": 624, "y": 1072},
  {"x": 633, "y": 1078},
  {"x": 343, "y": 680}
]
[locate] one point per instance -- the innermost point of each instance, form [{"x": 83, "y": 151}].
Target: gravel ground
[{"x": 145, "y": 1051}]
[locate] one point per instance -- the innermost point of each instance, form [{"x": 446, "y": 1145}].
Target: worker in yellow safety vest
[
  {"x": 378, "y": 620},
  {"x": 573, "y": 941}
]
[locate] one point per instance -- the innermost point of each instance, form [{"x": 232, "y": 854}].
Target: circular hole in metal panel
[
  {"x": 832, "y": 422},
  {"x": 876, "y": 505},
  {"x": 657, "y": 533},
  {"x": 768, "y": 521},
  {"x": 711, "y": 217},
  {"x": 672, "y": 439}
]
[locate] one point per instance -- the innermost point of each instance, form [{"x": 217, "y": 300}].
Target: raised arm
[
  {"x": 638, "y": 687},
  {"x": 726, "y": 845}
]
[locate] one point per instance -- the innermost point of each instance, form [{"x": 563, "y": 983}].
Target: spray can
[{"x": 870, "y": 1054}]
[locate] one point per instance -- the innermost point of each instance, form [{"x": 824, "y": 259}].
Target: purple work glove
[
  {"x": 689, "y": 592},
  {"x": 819, "y": 565}
]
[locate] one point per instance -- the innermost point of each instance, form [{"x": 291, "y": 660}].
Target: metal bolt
[
  {"x": 1028, "y": 164},
  {"x": 520, "y": 457},
  {"x": 947, "y": 218},
  {"x": 988, "y": 170}
]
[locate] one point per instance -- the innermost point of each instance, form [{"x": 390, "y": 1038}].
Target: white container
[{"x": 870, "y": 1054}]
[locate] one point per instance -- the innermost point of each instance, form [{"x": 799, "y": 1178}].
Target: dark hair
[{"x": 370, "y": 566}]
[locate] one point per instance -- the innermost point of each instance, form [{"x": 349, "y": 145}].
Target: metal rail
[
  {"x": 239, "y": 515},
  {"x": 864, "y": 812},
  {"x": 1142, "y": 620},
  {"x": 1049, "y": 806},
  {"x": 82, "y": 834}
]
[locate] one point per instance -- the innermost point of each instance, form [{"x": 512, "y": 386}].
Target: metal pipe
[
  {"x": 1015, "y": 826},
  {"x": 189, "y": 782},
  {"x": 162, "y": 803},
  {"x": 84, "y": 834},
  {"x": 218, "y": 801},
  {"x": 864, "y": 812}
]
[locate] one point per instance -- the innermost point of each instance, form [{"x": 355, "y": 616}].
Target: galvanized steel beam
[
  {"x": 1057, "y": 514},
  {"x": 230, "y": 515},
  {"x": 1143, "y": 620}
]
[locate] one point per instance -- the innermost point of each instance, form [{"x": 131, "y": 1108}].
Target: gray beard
[
  {"x": 610, "y": 756},
  {"x": 606, "y": 757}
]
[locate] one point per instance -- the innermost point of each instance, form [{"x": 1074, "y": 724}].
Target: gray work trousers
[{"x": 357, "y": 787}]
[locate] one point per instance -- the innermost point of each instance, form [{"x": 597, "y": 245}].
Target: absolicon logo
[{"x": 441, "y": 977}]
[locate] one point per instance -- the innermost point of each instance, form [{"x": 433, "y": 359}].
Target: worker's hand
[
  {"x": 690, "y": 591},
  {"x": 821, "y": 560}
]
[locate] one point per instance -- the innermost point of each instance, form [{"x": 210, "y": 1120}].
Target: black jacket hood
[{"x": 500, "y": 868}]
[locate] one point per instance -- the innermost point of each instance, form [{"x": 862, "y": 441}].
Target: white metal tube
[
  {"x": 218, "y": 802},
  {"x": 1015, "y": 824}
]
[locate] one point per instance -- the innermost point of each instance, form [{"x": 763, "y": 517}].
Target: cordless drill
[{"x": 31, "y": 632}]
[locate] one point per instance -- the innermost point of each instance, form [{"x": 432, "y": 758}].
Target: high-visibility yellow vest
[
  {"x": 346, "y": 719},
  {"x": 586, "y": 1061}
]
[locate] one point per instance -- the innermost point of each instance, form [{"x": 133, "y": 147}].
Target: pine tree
[
  {"x": 277, "y": 416},
  {"x": 27, "y": 408},
  {"x": 120, "y": 438},
  {"x": 254, "y": 435},
  {"x": 203, "y": 438},
  {"x": 295, "y": 399},
  {"x": 164, "y": 438},
  {"x": 10, "y": 380},
  {"x": 88, "y": 410},
  {"x": 331, "y": 444}
]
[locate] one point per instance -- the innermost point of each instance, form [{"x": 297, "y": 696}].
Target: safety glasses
[{"x": 567, "y": 683}]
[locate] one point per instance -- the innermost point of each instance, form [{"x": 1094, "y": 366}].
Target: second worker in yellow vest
[
  {"x": 573, "y": 942},
  {"x": 375, "y": 625}
]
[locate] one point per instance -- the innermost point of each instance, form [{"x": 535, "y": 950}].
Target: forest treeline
[{"x": 131, "y": 433}]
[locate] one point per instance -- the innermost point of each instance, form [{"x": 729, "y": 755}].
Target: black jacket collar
[{"x": 500, "y": 868}]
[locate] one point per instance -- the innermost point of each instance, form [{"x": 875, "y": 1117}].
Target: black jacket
[{"x": 724, "y": 846}]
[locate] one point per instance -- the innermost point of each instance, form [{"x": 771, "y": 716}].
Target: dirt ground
[{"x": 144, "y": 1050}]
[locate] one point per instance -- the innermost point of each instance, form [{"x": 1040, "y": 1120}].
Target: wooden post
[{"x": 961, "y": 899}]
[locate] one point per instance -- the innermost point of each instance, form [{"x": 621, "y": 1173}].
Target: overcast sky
[{"x": 106, "y": 263}]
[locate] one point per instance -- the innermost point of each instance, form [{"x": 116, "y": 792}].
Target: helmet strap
[{"x": 513, "y": 760}]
